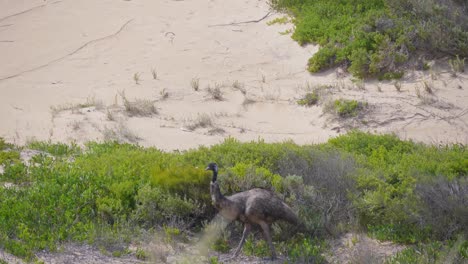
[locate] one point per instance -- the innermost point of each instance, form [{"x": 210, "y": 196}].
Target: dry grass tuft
[
  {"x": 139, "y": 107},
  {"x": 397, "y": 85},
  {"x": 90, "y": 102},
  {"x": 195, "y": 83},
  {"x": 164, "y": 94},
  {"x": 215, "y": 92},
  {"x": 216, "y": 131},
  {"x": 121, "y": 134},
  {"x": 239, "y": 86},
  {"x": 457, "y": 65},
  {"x": 202, "y": 121},
  {"x": 136, "y": 77}
]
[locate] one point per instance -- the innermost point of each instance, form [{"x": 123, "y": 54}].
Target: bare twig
[{"x": 243, "y": 22}]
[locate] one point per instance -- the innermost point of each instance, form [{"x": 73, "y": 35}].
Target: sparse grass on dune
[{"x": 139, "y": 107}]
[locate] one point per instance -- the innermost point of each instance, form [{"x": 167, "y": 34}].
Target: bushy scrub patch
[
  {"x": 345, "y": 108},
  {"x": 55, "y": 149},
  {"x": 376, "y": 38},
  {"x": 454, "y": 251},
  {"x": 388, "y": 202},
  {"x": 309, "y": 99},
  {"x": 110, "y": 192}
]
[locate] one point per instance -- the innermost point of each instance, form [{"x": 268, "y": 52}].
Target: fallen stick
[{"x": 243, "y": 22}]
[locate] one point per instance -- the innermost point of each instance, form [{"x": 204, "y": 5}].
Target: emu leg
[
  {"x": 266, "y": 232},
  {"x": 246, "y": 232}
]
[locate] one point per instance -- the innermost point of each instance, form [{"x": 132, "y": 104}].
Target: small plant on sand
[
  {"x": 171, "y": 233},
  {"x": 222, "y": 243},
  {"x": 278, "y": 20},
  {"x": 110, "y": 115},
  {"x": 195, "y": 83},
  {"x": 139, "y": 107},
  {"x": 427, "y": 87},
  {"x": 154, "y": 73},
  {"x": 309, "y": 99},
  {"x": 397, "y": 85},
  {"x": 120, "y": 134},
  {"x": 136, "y": 77},
  {"x": 457, "y": 65},
  {"x": 90, "y": 102},
  {"x": 418, "y": 92},
  {"x": 203, "y": 120},
  {"x": 263, "y": 78},
  {"x": 239, "y": 86},
  {"x": 164, "y": 94},
  {"x": 75, "y": 125},
  {"x": 247, "y": 101},
  {"x": 255, "y": 247},
  {"x": 141, "y": 254},
  {"x": 360, "y": 84},
  {"x": 346, "y": 108},
  {"x": 215, "y": 92},
  {"x": 214, "y": 260}
]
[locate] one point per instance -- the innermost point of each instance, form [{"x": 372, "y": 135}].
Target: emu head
[{"x": 213, "y": 167}]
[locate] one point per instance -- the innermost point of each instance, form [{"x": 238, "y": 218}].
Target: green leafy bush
[
  {"x": 348, "y": 108},
  {"x": 253, "y": 247},
  {"x": 377, "y": 38},
  {"x": 55, "y": 149},
  {"x": 306, "y": 250},
  {"x": 109, "y": 192},
  {"x": 309, "y": 99}
]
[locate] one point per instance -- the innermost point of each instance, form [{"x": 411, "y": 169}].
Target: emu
[{"x": 255, "y": 206}]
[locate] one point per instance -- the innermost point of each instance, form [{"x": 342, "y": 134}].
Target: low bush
[
  {"x": 378, "y": 38},
  {"x": 346, "y": 108},
  {"x": 109, "y": 192},
  {"x": 55, "y": 149},
  {"x": 309, "y": 99}
]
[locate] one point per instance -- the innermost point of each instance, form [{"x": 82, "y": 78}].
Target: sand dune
[{"x": 66, "y": 66}]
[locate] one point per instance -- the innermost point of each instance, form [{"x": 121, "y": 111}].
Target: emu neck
[
  {"x": 216, "y": 195},
  {"x": 215, "y": 175}
]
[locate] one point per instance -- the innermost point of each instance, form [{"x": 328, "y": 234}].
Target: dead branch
[{"x": 243, "y": 22}]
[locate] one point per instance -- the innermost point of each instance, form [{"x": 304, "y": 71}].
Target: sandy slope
[{"x": 68, "y": 54}]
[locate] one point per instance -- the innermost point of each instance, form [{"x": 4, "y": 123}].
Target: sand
[{"x": 67, "y": 65}]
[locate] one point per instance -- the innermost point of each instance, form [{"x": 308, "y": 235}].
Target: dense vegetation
[
  {"x": 378, "y": 38},
  {"x": 395, "y": 190}
]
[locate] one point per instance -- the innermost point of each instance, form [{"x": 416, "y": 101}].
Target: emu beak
[{"x": 207, "y": 168}]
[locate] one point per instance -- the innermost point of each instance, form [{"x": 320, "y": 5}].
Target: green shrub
[
  {"x": 9, "y": 157},
  {"x": 16, "y": 173},
  {"x": 306, "y": 250},
  {"x": 55, "y": 149},
  {"x": 4, "y": 145},
  {"x": 109, "y": 192},
  {"x": 377, "y": 38},
  {"x": 434, "y": 252},
  {"x": 309, "y": 99},
  {"x": 324, "y": 59},
  {"x": 141, "y": 254},
  {"x": 221, "y": 245},
  {"x": 348, "y": 108},
  {"x": 253, "y": 247}
]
